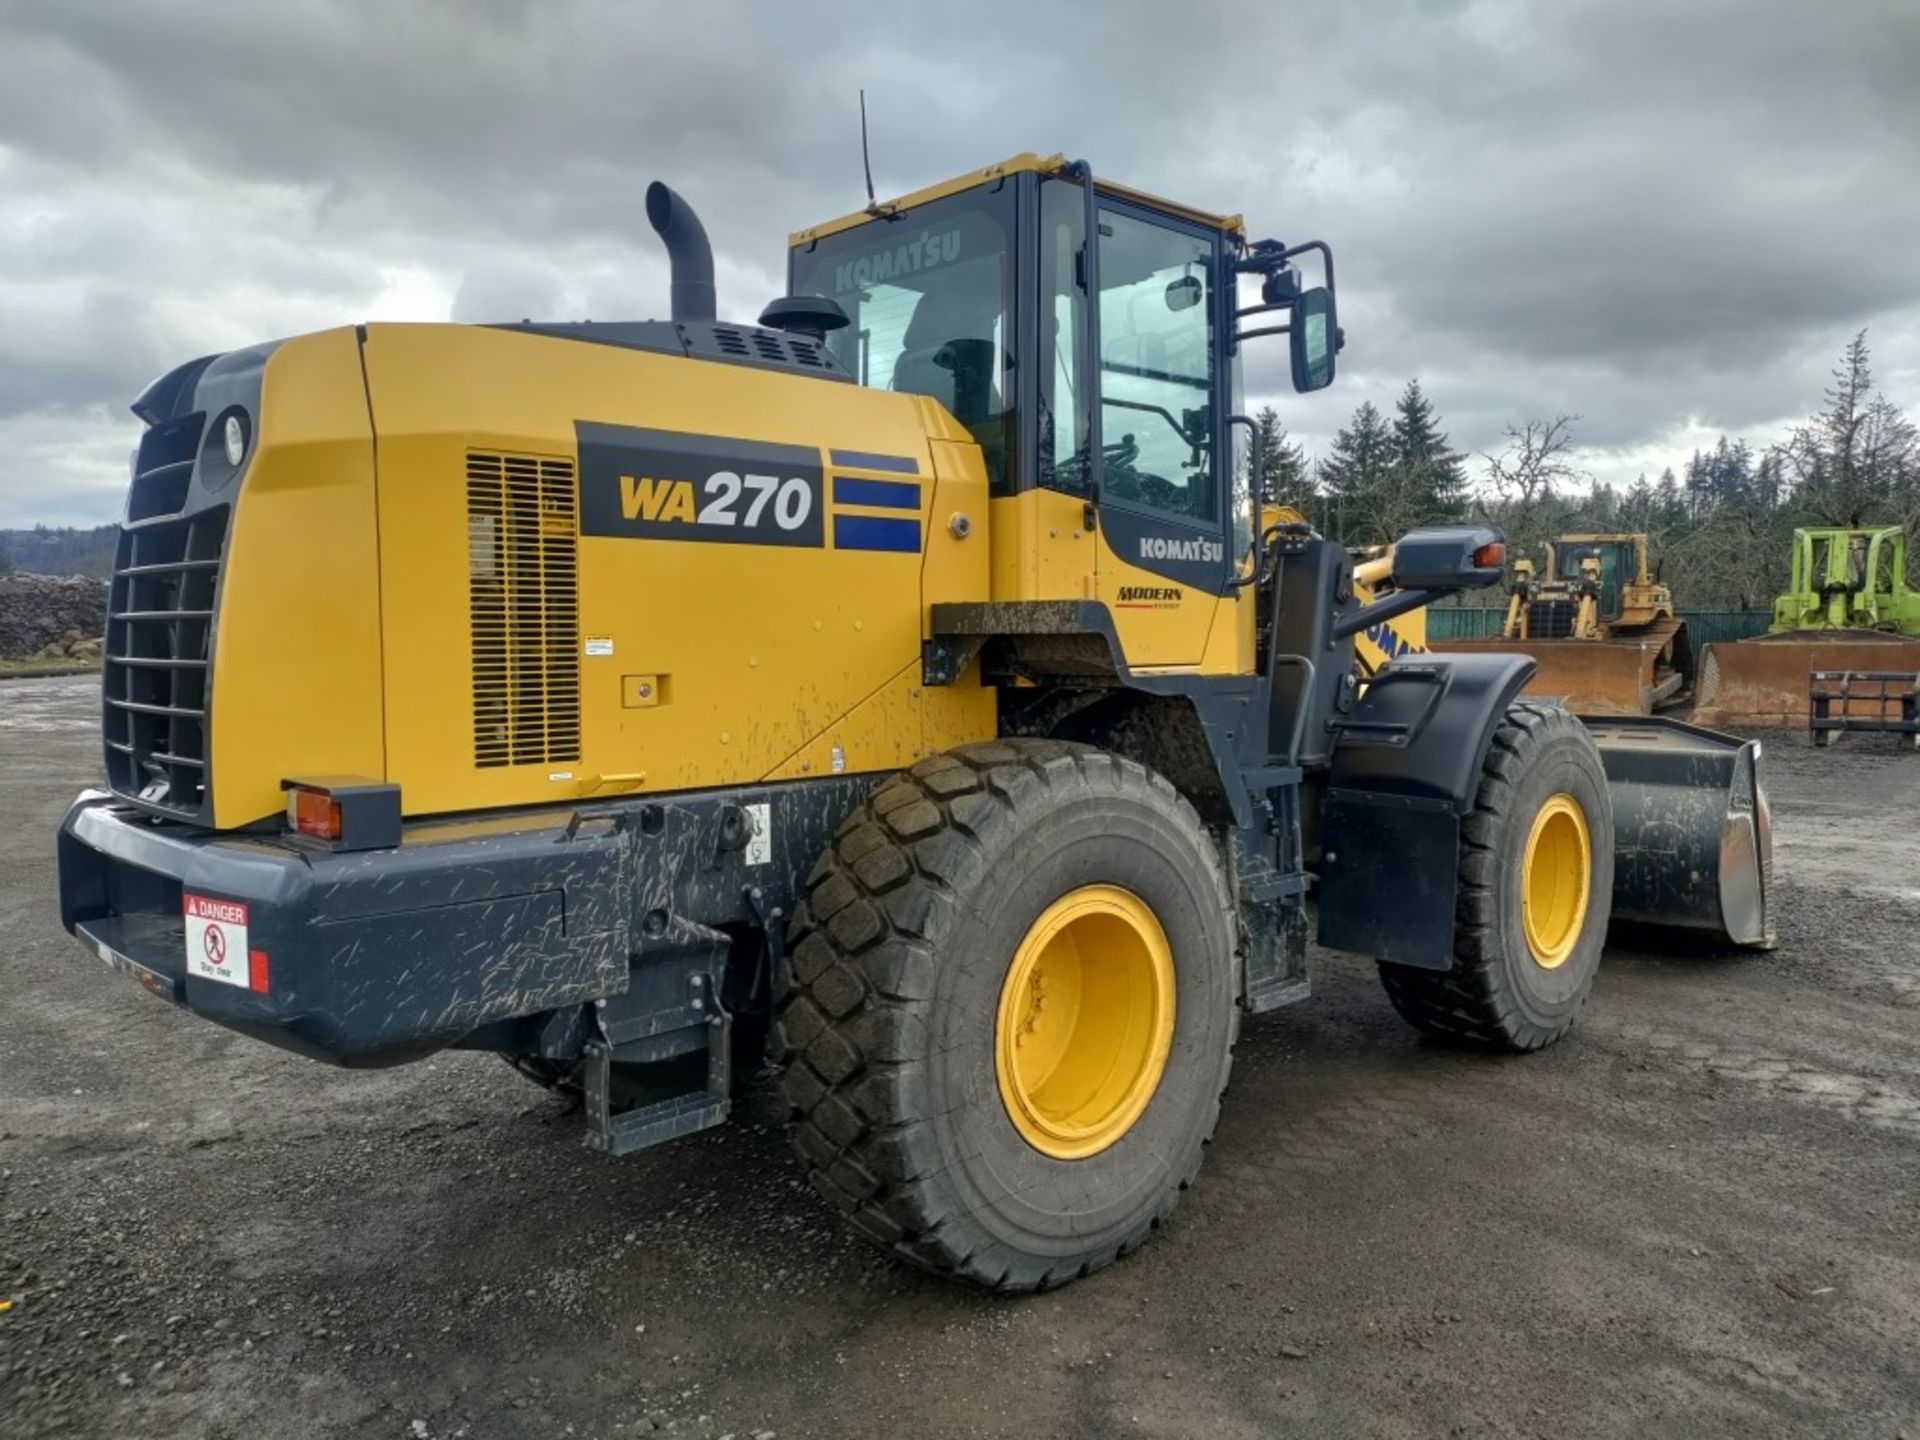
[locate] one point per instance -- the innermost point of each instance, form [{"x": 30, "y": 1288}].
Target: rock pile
[{"x": 52, "y": 617}]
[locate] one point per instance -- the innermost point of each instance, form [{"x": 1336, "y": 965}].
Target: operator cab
[
  {"x": 976, "y": 293},
  {"x": 1618, "y": 559}
]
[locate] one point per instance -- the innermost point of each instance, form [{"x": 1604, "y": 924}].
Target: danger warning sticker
[{"x": 217, "y": 947}]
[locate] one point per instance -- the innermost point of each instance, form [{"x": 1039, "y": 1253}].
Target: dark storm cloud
[{"x": 1651, "y": 213}]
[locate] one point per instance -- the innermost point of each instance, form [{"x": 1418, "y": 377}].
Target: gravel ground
[{"x": 1698, "y": 1216}]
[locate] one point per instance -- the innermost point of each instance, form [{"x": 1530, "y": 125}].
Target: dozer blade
[
  {"x": 1762, "y": 683},
  {"x": 1619, "y": 676},
  {"x": 1692, "y": 830}
]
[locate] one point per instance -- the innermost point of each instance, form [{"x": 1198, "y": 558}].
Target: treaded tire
[
  {"x": 1495, "y": 996},
  {"x": 888, "y": 1003}
]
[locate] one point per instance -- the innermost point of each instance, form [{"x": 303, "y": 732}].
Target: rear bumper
[{"x": 365, "y": 958}]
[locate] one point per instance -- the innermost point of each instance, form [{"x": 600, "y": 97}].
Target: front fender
[{"x": 1404, "y": 772}]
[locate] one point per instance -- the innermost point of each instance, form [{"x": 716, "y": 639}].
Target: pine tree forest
[{"x": 1719, "y": 521}]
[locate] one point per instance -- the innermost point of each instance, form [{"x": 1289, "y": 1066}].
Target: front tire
[
  {"x": 1535, "y": 892},
  {"x": 1009, "y": 1011}
]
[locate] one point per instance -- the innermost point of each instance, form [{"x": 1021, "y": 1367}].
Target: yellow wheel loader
[
  {"x": 891, "y": 682},
  {"x": 1599, "y": 627}
]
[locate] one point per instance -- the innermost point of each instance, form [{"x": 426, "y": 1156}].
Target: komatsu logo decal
[
  {"x": 670, "y": 485},
  {"x": 1391, "y": 642},
  {"x": 922, "y": 252},
  {"x": 1158, "y": 547}
]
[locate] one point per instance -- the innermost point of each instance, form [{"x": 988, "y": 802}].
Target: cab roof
[{"x": 1027, "y": 160}]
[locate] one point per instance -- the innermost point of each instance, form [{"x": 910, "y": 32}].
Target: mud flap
[{"x": 1692, "y": 829}]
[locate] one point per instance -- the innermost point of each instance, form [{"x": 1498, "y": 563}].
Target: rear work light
[{"x": 346, "y": 811}]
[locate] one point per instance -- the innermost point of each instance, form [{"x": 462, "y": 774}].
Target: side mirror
[
  {"x": 1449, "y": 557},
  {"x": 1185, "y": 293},
  {"x": 1315, "y": 336}
]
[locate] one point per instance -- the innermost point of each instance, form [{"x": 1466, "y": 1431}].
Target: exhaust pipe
[{"x": 688, "y": 253}]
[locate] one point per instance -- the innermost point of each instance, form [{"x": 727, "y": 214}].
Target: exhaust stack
[{"x": 692, "y": 296}]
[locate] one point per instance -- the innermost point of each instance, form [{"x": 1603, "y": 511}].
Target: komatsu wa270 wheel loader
[{"x": 895, "y": 681}]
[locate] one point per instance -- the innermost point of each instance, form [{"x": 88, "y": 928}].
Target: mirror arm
[
  {"x": 1385, "y": 608},
  {"x": 1264, "y": 330},
  {"x": 1326, "y": 255}
]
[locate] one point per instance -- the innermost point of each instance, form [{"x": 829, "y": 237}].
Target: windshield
[
  {"x": 928, "y": 293},
  {"x": 1614, "y": 563}
]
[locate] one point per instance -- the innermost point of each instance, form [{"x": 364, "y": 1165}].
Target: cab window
[
  {"x": 928, "y": 294},
  {"x": 1157, "y": 366},
  {"x": 1614, "y": 565}
]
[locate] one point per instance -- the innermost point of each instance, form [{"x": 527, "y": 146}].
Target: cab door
[{"x": 1159, "y": 432}]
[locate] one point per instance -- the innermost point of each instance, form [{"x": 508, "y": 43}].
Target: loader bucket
[
  {"x": 1692, "y": 830},
  {"x": 1762, "y": 683},
  {"x": 1618, "y": 676}
]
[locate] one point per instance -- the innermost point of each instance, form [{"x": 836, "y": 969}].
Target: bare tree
[
  {"x": 1535, "y": 463},
  {"x": 1525, "y": 482}
]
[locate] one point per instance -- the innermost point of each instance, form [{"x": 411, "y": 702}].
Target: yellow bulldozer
[
  {"x": 1600, "y": 627},
  {"x": 890, "y": 685}
]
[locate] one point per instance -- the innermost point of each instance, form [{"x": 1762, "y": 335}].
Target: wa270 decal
[{"x": 669, "y": 485}]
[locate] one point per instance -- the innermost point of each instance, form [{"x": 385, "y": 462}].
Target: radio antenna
[{"x": 866, "y": 160}]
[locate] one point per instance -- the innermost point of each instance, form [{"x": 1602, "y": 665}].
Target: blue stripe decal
[
  {"x": 867, "y": 460},
  {"x": 887, "y": 494},
  {"x": 874, "y": 532}
]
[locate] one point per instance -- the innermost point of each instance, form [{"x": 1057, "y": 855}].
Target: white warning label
[
  {"x": 760, "y": 843},
  {"x": 217, "y": 940}
]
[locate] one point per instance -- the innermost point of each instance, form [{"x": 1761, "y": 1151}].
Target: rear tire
[
  {"x": 911, "y": 988},
  {"x": 1526, "y": 943}
]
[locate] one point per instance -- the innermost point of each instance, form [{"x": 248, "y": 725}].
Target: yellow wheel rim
[
  {"x": 1556, "y": 878},
  {"x": 1085, "y": 1022}
]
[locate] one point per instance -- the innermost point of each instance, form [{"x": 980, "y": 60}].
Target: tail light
[{"x": 347, "y": 812}]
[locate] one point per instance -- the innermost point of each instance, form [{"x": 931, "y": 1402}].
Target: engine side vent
[{"x": 523, "y": 587}]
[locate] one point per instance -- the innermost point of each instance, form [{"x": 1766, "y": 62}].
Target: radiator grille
[
  {"x": 1551, "y": 619},
  {"x": 524, "y": 599},
  {"x": 155, "y": 678}
]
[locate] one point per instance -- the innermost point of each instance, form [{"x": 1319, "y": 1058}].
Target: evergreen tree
[
  {"x": 1433, "y": 475},
  {"x": 1699, "y": 486},
  {"x": 1602, "y": 507},
  {"x": 1858, "y": 461},
  {"x": 1669, "y": 504},
  {"x": 1355, "y": 479},
  {"x": 1728, "y": 476},
  {"x": 1636, "y": 506},
  {"x": 1282, "y": 462}
]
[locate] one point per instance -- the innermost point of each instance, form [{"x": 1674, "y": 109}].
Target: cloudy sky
[{"x": 1665, "y": 215}]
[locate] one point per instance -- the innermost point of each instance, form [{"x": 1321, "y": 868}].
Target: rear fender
[{"x": 1405, "y": 769}]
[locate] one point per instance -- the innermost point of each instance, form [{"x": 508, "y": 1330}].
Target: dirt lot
[{"x": 1699, "y": 1216}]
